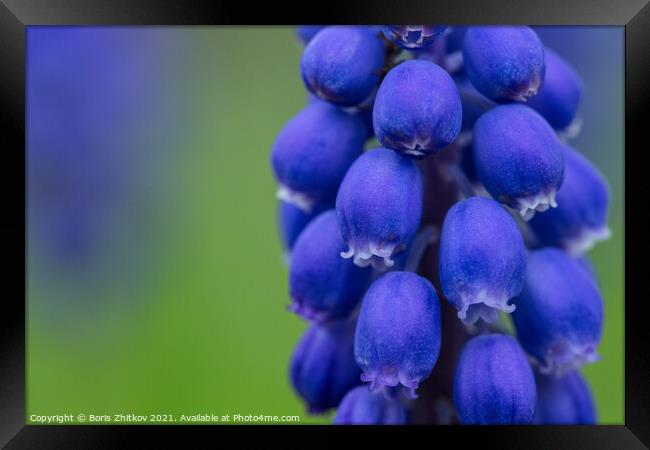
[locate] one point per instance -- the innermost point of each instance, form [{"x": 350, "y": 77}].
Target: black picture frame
[{"x": 634, "y": 15}]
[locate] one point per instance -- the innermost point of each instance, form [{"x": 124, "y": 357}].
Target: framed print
[{"x": 398, "y": 228}]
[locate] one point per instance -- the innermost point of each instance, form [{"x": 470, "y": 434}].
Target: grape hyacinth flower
[
  {"x": 360, "y": 406},
  {"x": 323, "y": 286},
  {"x": 322, "y": 367},
  {"x": 504, "y": 63},
  {"x": 313, "y": 152},
  {"x": 494, "y": 383},
  {"x": 342, "y": 64},
  {"x": 292, "y": 220},
  {"x": 558, "y": 98},
  {"x": 518, "y": 158},
  {"x": 397, "y": 340},
  {"x": 580, "y": 220},
  {"x": 559, "y": 317},
  {"x": 379, "y": 206},
  {"x": 413, "y": 36},
  {"x": 482, "y": 259},
  {"x": 417, "y": 109}
]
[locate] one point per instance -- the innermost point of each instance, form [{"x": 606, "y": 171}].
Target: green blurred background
[{"x": 156, "y": 283}]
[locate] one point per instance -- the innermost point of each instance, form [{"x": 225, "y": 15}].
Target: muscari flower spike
[
  {"x": 504, "y": 63},
  {"x": 482, "y": 259},
  {"x": 494, "y": 383},
  {"x": 323, "y": 286},
  {"x": 322, "y": 367},
  {"x": 342, "y": 64},
  {"x": 360, "y": 406},
  {"x": 379, "y": 207},
  {"x": 313, "y": 152},
  {"x": 564, "y": 400},
  {"x": 417, "y": 110},
  {"x": 413, "y": 36},
  {"x": 397, "y": 339},
  {"x": 559, "y": 315},
  {"x": 558, "y": 98},
  {"x": 580, "y": 220},
  {"x": 518, "y": 158}
]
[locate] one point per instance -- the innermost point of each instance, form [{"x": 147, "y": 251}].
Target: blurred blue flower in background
[{"x": 94, "y": 110}]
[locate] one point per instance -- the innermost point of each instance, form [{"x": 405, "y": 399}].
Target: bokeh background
[{"x": 156, "y": 282}]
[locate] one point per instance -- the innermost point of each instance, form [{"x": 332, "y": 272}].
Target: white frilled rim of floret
[
  {"x": 564, "y": 356},
  {"x": 296, "y": 198},
  {"x": 483, "y": 305},
  {"x": 583, "y": 242},
  {"x": 372, "y": 254},
  {"x": 528, "y": 206},
  {"x": 391, "y": 377}
]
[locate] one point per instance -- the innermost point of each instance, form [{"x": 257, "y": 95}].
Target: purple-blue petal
[
  {"x": 559, "y": 315},
  {"x": 323, "y": 286},
  {"x": 564, "y": 400},
  {"x": 292, "y": 220},
  {"x": 313, "y": 152},
  {"x": 379, "y": 206},
  {"x": 322, "y": 367},
  {"x": 580, "y": 220},
  {"x": 417, "y": 110},
  {"x": 341, "y": 64},
  {"x": 360, "y": 406},
  {"x": 518, "y": 158},
  {"x": 494, "y": 383},
  {"x": 482, "y": 259},
  {"x": 559, "y": 96},
  {"x": 505, "y": 63},
  {"x": 397, "y": 340}
]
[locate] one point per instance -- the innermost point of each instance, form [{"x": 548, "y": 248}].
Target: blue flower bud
[
  {"x": 417, "y": 110},
  {"x": 322, "y": 367},
  {"x": 494, "y": 383},
  {"x": 518, "y": 158},
  {"x": 559, "y": 315},
  {"x": 305, "y": 33},
  {"x": 342, "y": 64},
  {"x": 558, "y": 98},
  {"x": 323, "y": 286},
  {"x": 397, "y": 340},
  {"x": 313, "y": 152},
  {"x": 360, "y": 406},
  {"x": 504, "y": 63},
  {"x": 564, "y": 400},
  {"x": 292, "y": 220},
  {"x": 413, "y": 36},
  {"x": 580, "y": 220},
  {"x": 379, "y": 206},
  {"x": 482, "y": 259}
]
